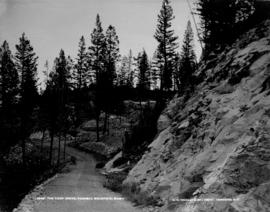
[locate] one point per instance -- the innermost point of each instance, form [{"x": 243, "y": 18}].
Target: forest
[{"x": 96, "y": 83}]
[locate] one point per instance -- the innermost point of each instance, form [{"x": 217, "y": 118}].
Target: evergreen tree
[
  {"x": 176, "y": 75},
  {"x": 26, "y": 63},
  {"x": 187, "y": 59},
  {"x": 125, "y": 73},
  {"x": 97, "y": 50},
  {"x": 50, "y": 107},
  {"x": 156, "y": 68},
  {"x": 62, "y": 86},
  {"x": 108, "y": 77},
  {"x": 81, "y": 78},
  {"x": 57, "y": 91},
  {"x": 62, "y": 77},
  {"x": 81, "y": 73},
  {"x": 222, "y": 21},
  {"x": 144, "y": 71},
  {"x": 166, "y": 44},
  {"x": 112, "y": 53},
  {"x": 122, "y": 72},
  {"x": 130, "y": 70},
  {"x": 9, "y": 82},
  {"x": 9, "y": 78},
  {"x": 97, "y": 53},
  {"x": 46, "y": 72}
]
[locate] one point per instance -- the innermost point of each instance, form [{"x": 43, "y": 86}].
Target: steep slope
[{"x": 215, "y": 145}]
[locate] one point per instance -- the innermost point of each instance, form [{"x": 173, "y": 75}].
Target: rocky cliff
[{"x": 213, "y": 149}]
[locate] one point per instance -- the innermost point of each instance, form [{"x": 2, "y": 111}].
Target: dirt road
[{"x": 81, "y": 182}]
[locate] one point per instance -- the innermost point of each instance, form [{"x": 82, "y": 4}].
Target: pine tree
[
  {"x": 26, "y": 63},
  {"x": 97, "y": 52},
  {"x": 122, "y": 73},
  {"x": 81, "y": 74},
  {"x": 187, "y": 59},
  {"x": 144, "y": 71},
  {"x": 130, "y": 70},
  {"x": 51, "y": 108},
  {"x": 62, "y": 87},
  {"x": 125, "y": 72},
  {"x": 112, "y": 53},
  {"x": 9, "y": 78},
  {"x": 81, "y": 77},
  {"x": 46, "y": 72},
  {"x": 57, "y": 91},
  {"x": 62, "y": 77},
  {"x": 156, "y": 68},
  {"x": 176, "y": 79},
  {"x": 222, "y": 21},
  {"x": 166, "y": 44},
  {"x": 108, "y": 77},
  {"x": 9, "y": 83}
]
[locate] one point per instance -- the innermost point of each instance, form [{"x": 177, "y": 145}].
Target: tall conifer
[
  {"x": 26, "y": 63},
  {"x": 166, "y": 44}
]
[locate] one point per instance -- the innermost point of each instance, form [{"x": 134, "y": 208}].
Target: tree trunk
[
  {"x": 23, "y": 152},
  {"x": 59, "y": 149},
  {"x": 65, "y": 143},
  {"x": 108, "y": 126},
  {"x": 105, "y": 123},
  {"x": 42, "y": 142},
  {"x": 23, "y": 129},
  {"x": 51, "y": 148},
  {"x": 97, "y": 127}
]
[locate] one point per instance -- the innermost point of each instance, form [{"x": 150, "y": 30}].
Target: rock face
[{"x": 215, "y": 146}]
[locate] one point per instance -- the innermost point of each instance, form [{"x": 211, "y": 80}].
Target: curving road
[{"x": 81, "y": 180}]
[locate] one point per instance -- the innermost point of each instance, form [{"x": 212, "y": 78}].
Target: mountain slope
[{"x": 215, "y": 144}]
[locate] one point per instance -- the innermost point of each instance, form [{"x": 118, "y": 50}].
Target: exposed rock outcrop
[{"x": 215, "y": 146}]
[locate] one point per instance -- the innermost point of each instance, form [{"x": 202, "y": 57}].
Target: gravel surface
[{"x": 77, "y": 189}]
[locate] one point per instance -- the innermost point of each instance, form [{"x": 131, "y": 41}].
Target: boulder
[{"x": 163, "y": 122}]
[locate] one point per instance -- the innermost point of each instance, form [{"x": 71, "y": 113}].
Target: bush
[
  {"x": 134, "y": 193},
  {"x": 114, "y": 181}
]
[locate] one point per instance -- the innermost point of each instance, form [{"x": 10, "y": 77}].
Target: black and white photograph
[{"x": 134, "y": 105}]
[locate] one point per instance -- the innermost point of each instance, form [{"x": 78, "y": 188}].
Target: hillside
[{"x": 215, "y": 144}]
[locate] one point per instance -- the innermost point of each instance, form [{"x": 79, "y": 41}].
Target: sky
[{"x": 54, "y": 24}]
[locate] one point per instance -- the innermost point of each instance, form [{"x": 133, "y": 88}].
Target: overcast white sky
[{"x": 54, "y": 24}]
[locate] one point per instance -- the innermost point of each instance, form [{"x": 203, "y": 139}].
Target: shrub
[
  {"x": 114, "y": 181},
  {"x": 134, "y": 193}
]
